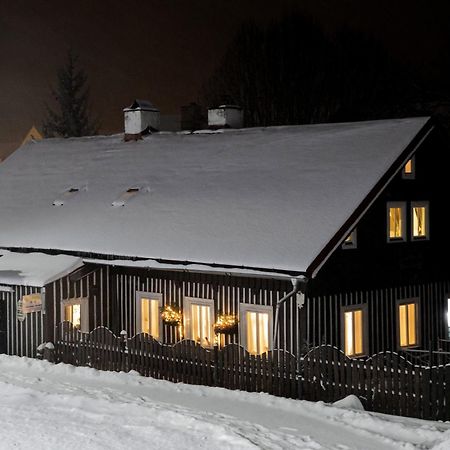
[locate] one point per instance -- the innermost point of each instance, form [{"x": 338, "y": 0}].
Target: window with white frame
[
  {"x": 198, "y": 317},
  {"x": 355, "y": 329},
  {"x": 256, "y": 323},
  {"x": 148, "y": 316},
  {"x": 396, "y": 221},
  {"x": 409, "y": 169},
  {"x": 419, "y": 220},
  {"x": 76, "y": 311},
  {"x": 408, "y": 322},
  {"x": 350, "y": 241}
]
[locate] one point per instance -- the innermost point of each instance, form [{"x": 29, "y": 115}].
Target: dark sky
[{"x": 164, "y": 50}]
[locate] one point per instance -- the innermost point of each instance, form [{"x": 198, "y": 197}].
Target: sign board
[
  {"x": 31, "y": 303},
  {"x": 20, "y": 314}
]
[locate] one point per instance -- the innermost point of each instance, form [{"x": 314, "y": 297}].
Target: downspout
[{"x": 297, "y": 284}]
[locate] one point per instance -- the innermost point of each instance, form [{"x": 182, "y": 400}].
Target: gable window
[
  {"x": 350, "y": 240},
  {"x": 148, "y": 317},
  {"x": 408, "y": 313},
  {"x": 256, "y": 328},
  {"x": 420, "y": 222},
  {"x": 199, "y": 320},
  {"x": 396, "y": 221},
  {"x": 76, "y": 311},
  {"x": 409, "y": 169},
  {"x": 354, "y": 325}
]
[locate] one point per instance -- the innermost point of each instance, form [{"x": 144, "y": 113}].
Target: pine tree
[{"x": 71, "y": 119}]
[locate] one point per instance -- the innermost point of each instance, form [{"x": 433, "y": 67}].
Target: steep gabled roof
[{"x": 273, "y": 198}]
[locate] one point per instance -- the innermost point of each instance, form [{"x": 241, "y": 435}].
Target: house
[{"x": 285, "y": 237}]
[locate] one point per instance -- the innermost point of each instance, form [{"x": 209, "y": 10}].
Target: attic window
[
  {"x": 66, "y": 195},
  {"x": 396, "y": 221},
  {"x": 127, "y": 195},
  {"x": 409, "y": 169},
  {"x": 350, "y": 240}
]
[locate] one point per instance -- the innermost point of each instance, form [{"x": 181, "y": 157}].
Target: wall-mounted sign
[
  {"x": 31, "y": 303},
  {"x": 20, "y": 314}
]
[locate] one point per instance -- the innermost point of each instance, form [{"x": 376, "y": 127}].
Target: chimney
[
  {"x": 225, "y": 116},
  {"x": 141, "y": 118}
]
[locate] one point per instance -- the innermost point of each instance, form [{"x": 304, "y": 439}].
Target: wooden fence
[
  {"x": 385, "y": 382},
  {"x": 232, "y": 367}
]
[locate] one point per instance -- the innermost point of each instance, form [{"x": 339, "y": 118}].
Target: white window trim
[
  {"x": 187, "y": 302},
  {"x": 354, "y": 241},
  {"x": 426, "y": 205},
  {"x": 401, "y": 205},
  {"x": 244, "y": 308},
  {"x": 84, "y": 311},
  {"x": 412, "y": 175},
  {"x": 151, "y": 296}
]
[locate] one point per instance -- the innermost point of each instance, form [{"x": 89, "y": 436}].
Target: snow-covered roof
[
  {"x": 35, "y": 269},
  {"x": 268, "y": 198}
]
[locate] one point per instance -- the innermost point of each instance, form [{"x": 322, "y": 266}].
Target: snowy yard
[{"x": 43, "y": 406}]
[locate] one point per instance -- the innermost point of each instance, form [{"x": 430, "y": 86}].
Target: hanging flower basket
[
  {"x": 226, "y": 324},
  {"x": 171, "y": 315}
]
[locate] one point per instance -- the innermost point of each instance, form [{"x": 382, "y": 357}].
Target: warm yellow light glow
[
  {"x": 171, "y": 316},
  {"x": 201, "y": 324},
  {"x": 409, "y": 167},
  {"x": 349, "y": 239},
  {"x": 419, "y": 221},
  {"x": 395, "y": 223},
  {"x": 257, "y": 332},
  {"x": 353, "y": 333},
  {"x": 407, "y": 324},
  {"x": 73, "y": 314},
  {"x": 150, "y": 317}
]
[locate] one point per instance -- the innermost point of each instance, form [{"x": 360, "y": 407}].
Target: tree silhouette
[{"x": 71, "y": 119}]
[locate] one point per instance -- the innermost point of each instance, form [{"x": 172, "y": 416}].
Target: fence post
[
  {"x": 216, "y": 362},
  {"x": 123, "y": 350}
]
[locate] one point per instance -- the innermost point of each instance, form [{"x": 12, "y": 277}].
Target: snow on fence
[
  {"x": 386, "y": 382},
  {"x": 231, "y": 367}
]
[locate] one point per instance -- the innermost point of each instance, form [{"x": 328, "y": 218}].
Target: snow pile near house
[
  {"x": 349, "y": 402},
  {"x": 45, "y": 406}
]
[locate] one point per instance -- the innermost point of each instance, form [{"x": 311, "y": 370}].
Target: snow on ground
[{"x": 46, "y": 406}]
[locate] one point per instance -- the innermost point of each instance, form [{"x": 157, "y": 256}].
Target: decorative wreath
[
  {"x": 226, "y": 324},
  {"x": 171, "y": 315}
]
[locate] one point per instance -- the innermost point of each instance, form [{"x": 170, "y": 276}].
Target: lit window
[
  {"x": 148, "y": 318},
  {"x": 396, "y": 221},
  {"x": 73, "y": 314},
  {"x": 448, "y": 316},
  {"x": 350, "y": 240},
  {"x": 76, "y": 311},
  {"x": 407, "y": 321},
  {"x": 409, "y": 169},
  {"x": 256, "y": 328},
  {"x": 354, "y": 331},
  {"x": 419, "y": 214},
  {"x": 199, "y": 320}
]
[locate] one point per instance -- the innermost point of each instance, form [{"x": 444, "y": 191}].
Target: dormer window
[
  {"x": 396, "y": 221},
  {"x": 350, "y": 240},
  {"x": 409, "y": 169}
]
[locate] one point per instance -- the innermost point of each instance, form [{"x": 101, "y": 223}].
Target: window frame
[
  {"x": 407, "y": 301},
  {"x": 420, "y": 204},
  {"x": 138, "y": 302},
  {"x": 397, "y": 204},
  {"x": 354, "y": 241},
  {"x": 412, "y": 175},
  {"x": 84, "y": 311},
  {"x": 244, "y": 308},
  {"x": 365, "y": 328},
  {"x": 187, "y": 303}
]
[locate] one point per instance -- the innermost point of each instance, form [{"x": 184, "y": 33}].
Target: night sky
[{"x": 164, "y": 50}]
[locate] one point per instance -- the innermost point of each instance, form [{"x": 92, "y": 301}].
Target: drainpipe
[{"x": 297, "y": 284}]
